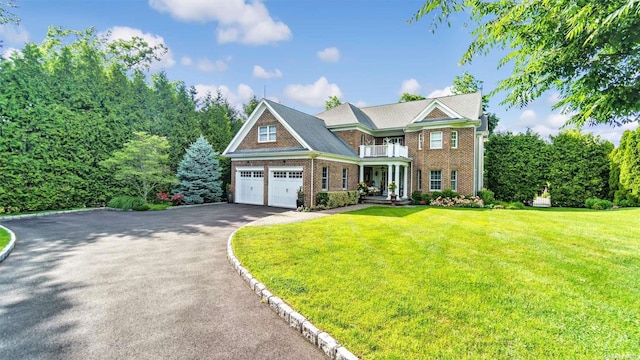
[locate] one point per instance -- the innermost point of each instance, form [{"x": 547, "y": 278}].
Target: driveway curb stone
[
  {"x": 9, "y": 248},
  {"x": 325, "y": 342}
]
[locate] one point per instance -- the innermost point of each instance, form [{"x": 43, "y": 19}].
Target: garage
[
  {"x": 284, "y": 183},
  {"x": 250, "y": 186}
]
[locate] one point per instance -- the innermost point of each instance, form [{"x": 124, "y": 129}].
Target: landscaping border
[
  {"x": 4, "y": 253},
  {"x": 325, "y": 342},
  {"x": 53, "y": 212}
]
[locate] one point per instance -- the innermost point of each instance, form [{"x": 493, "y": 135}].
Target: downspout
[{"x": 312, "y": 182}]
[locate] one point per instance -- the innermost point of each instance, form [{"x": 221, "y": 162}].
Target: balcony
[{"x": 389, "y": 150}]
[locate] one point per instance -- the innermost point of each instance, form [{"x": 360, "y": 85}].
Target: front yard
[
  {"x": 4, "y": 238},
  {"x": 407, "y": 283}
]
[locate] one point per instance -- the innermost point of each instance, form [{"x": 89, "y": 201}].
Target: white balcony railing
[{"x": 390, "y": 150}]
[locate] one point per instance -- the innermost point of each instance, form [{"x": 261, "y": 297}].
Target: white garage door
[
  {"x": 250, "y": 187},
  {"x": 283, "y": 187}
]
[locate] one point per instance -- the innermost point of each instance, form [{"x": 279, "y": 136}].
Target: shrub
[
  {"x": 598, "y": 204},
  {"x": 177, "y": 199},
  {"x": 487, "y": 196},
  {"x": 448, "y": 193},
  {"x": 426, "y": 198},
  {"x": 126, "y": 202},
  {"x": 334, "y": 199},
  {"x": 143, "y": 207},
  {"x": 623, "y": 203},
  {"x": 515, "y": 206},
  {"x": 590, "y": 202},
  {"x": 416, "y": 197},
  {"x": 458, "y": 201}
]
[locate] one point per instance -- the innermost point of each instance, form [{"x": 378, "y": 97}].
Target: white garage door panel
[
  {"x": 250, "y": 187},
  {"x": 283, "y": 188}
]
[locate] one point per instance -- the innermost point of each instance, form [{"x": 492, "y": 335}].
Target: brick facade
[
  {"x": 445, "y": 159},
  {"x": 353, "y": 138},
  {"x": 335, "y": 174},
  {"x": 284, "y": 139}
]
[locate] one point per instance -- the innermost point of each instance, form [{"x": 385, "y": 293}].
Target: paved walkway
[
  {"x": 137, "y": 285},
  {"x": 294, "y": 216}
]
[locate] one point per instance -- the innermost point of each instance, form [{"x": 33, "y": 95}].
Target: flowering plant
[
  {"x": 362, "y": 186},
  {"x": 393, "y": 187},
  {"x": 177, "y": 199}
]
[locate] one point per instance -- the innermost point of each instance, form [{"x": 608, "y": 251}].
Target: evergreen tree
[{"x": 199, "y": 174}]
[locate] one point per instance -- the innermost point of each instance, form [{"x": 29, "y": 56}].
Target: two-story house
[{"x": 426, "y": 145}]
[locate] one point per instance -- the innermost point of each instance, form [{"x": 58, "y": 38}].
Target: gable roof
[
  {"x": 310, "y": 131},
  {"x": 398, "y": 115}
]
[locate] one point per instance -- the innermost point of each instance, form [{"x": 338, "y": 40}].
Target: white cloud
[
  {"x": 440, "y": 92},
  {"x": 553, "y": 98},
  {"x": 613, "y": 134},
  {"x": 314, "y": 94},
  {"x": 247, "y": 23},
  {"x": 241, "y": 95},
  {"x": 9, "y": 51},
  {"x": 360, "y": 103},
  {"x": 260, "y": 72},
  {"x": 207, "y": 65},
  {"x": 528, "y": 118},
  {"x": 411, "y": 86},
  {"x": 557, "y": 120},
  {"x": 16, "y": 35},
  {"x": 126, "y": 33},
  {"x": 186, "y": 61},
  {"x": 331, "y": 54}
]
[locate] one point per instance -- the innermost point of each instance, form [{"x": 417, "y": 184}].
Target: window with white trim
[
  {"x": 454, "y": 139},
  {"x": 267, "y": 133},
  {"x": 420, "y": 139},
  {"x": 419, "y": 180},
  {"x": 435, "y": 140},
  {"x": 454, "y": 180},
  {"x": 345, "y": 178},
  {"x": 362, "y": 139},
  {"x": 325, "y": 178},
  {"x": 435, "y": 180}
]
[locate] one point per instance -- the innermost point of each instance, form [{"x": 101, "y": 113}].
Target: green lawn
[
  {"x": 4, "y": 238},
  {"x": 412, "y": 283}
]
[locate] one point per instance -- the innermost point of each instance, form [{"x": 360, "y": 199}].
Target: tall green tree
[
  {"x": 199, "y": 174},
  {"x": 142, "y": 164},
  {"x": 516, "y": 165},
  {"x": 332, "y": 102},
  {"x": 627, "y": 160},
  {"x": 587, "y": 51},
  {"x": 406, "y": 97},
  {"x": 578, "y": 168},
  {"x": 251, "y": 105},
  {"x": 466, "y": 84}
]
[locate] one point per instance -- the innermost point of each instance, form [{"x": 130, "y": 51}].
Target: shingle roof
[
  {"x": 400, "y": 114},
  {"x": 313, "y": 131}
]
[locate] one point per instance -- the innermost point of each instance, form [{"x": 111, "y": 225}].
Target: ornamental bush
[
  {"x": 334, "y": 199},
  {"x": 126, "y": 202},
  {"x": 199, "y": 174}
]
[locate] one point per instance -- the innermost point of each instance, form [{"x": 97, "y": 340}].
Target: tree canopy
[
  {"x": 589, "y": 52},
  {"x": 467, "y": 83},
  {"x": 7, "y": 16},
  {"x": 406, "y": 97},
  {"x": 332, "y": 102}
]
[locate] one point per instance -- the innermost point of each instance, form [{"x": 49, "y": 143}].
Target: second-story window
[
  {"x": 420, "y": 140},
  {"x": 435, "y": 140},
  {"x": 267, "y": 133},
  {"x": 454, "y": 139}
]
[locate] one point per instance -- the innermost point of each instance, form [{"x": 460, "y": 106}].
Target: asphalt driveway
[{"x": 136, "y": 285}]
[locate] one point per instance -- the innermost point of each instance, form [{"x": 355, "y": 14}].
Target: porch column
[
  {"x": 361, "y": 173},
  {"x": 388, "y": 182},
  {"x": 406, "y": 175},
  {"x": 396, "y": 178}
]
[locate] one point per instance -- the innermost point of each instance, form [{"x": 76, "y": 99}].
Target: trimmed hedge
[{"x": 334, "y": 199}]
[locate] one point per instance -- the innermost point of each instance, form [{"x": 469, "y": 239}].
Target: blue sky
[{"x": 300, "y": 51}]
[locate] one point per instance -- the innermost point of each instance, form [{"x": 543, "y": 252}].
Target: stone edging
[
  {"x": 12, "y": 243},
  {"x": 55, "y": 212},
  {"x": 321, "y": 339}
]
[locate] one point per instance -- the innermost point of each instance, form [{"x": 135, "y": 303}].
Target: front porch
[
  {"x": 378, "y": 174},
  {"x": 382, "y": 200}
]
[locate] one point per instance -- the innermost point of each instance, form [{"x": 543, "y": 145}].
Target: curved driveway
[{"x": 136, "y": 285}]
